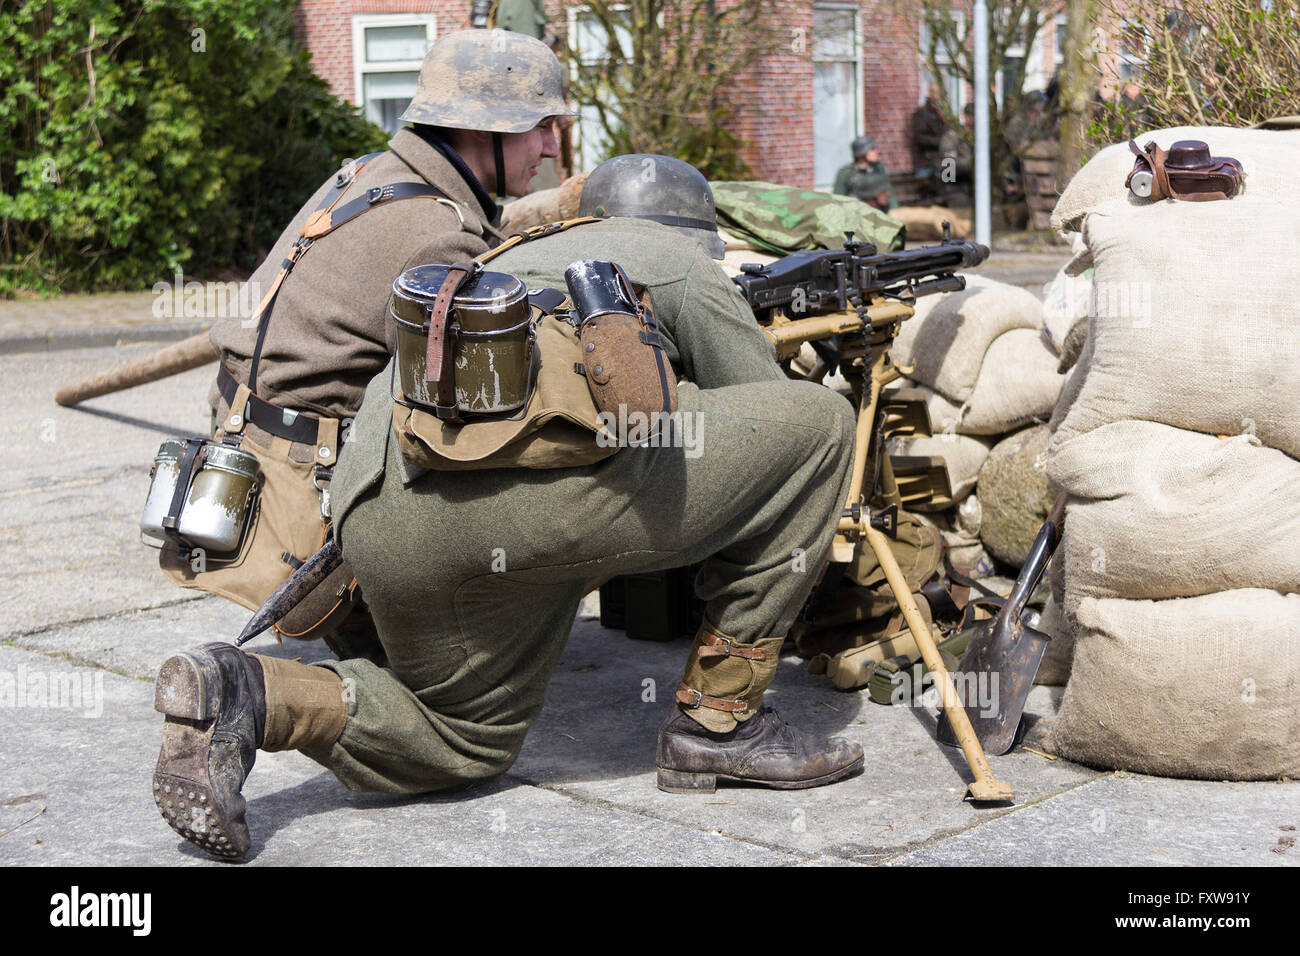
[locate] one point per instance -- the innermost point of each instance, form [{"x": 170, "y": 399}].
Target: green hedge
[{"x": 138, "y": 140}]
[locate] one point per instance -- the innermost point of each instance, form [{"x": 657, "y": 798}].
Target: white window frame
[
  {"x": 360, "y": 66},
  {"x": 858, "y": 75},
  {"x": 580, "y": 158}
]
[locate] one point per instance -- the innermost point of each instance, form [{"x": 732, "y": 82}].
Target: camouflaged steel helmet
[
  {"x": 491, "y": 80},
  {"x": 659, "y": 188},
  {"x": 863, "y": 145}
]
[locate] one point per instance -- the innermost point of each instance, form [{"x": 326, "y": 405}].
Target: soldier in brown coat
[{"x": 293, "y": 373}]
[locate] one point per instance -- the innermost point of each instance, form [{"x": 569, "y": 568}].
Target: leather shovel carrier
[
  {"x": 622, "y": 356},
  {"x": 439, "y": 365}
]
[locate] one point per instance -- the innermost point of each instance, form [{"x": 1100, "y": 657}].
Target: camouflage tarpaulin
[{"x": 784, "y": 219}]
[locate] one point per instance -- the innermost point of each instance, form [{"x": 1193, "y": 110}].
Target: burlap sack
[
  {"x": 1267, "y": 157},
  {"x": 1054, "y": 670},
  {"x": 1015, "y": 494},
  {"x": 1156, "y": 512},
  {"x": 962, "y": 454},
  {"x": 1202, "y": 687},
  {"x": 1193, "y": 320},
  {"x": 925, "y": 223},
  {"x": 543, "y": 206},
  {"x": 949, "y": 336},
  {"x": 1067, "y": 298},
  {"x": 739, "y": 251},
  {"x": 1019, "y": 385},
  {"x": 1073, "y": 384}
]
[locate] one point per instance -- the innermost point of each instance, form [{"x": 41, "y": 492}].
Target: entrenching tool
[
  {"x": 1007, "y": 651},
  {"x": 287, "y": 596},
  {"x": 174, "y": 359}
]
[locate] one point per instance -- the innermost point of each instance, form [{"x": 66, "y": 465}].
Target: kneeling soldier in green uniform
[{"x": 474, "y": 578}]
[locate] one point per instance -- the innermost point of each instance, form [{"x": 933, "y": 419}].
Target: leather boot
[
  {"x": 222, "y": 706},
  {"x": 214, "y": 697},
  {"x": 762, "y": 750}
]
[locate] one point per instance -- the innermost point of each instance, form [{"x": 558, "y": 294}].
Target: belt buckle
[
  {"x": 379, "y": 193},
  {"x": 699, "y": 699}
]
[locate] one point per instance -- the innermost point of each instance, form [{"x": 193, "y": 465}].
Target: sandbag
[
  {"x": 1156, "y": 512},
  {"x": 545, "y": 205},
  {"x": 948, "y": 338},
  {"x": 1054, "y": 669},
  {"x": 1015, "y": 494},
  {"x": 1267, "y": 157},
  {"x": 960, "y": 529},
  {"x": 1194, "y": 319},
  {"x": 961, "y": 454},
  {"x": 1201, "y": 687},
  {"x": 1019, "y": 385},
  {"x": 925, "y": 223},
  {"x": 1073, "y": 384},
  {"x": 1066, "y": 304}
]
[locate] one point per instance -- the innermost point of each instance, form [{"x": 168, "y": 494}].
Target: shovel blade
[{"x": 999, "y": 665}]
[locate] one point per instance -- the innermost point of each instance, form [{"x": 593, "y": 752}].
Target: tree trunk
[{"x": 1078, "y": 83}]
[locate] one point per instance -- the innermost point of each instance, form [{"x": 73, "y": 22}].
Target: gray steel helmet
[
  {"x": 658, "y": 188},
  {"x": 491, "y": 80},
  {"x": 863, "y": 145}
]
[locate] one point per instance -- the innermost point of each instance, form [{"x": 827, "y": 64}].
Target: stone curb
[{"x": 58, "y": 339}]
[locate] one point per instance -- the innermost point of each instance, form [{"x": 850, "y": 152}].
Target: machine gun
[{"x": 849, "y": 305}]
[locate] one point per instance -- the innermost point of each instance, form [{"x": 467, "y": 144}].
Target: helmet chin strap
[{"x": 498, "y": 152}]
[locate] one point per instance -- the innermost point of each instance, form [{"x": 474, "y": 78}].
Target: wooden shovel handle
[{"x": 190, "y": 353}]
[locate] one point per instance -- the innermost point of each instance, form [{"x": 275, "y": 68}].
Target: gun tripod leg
[{"x": 986, "y": 787}]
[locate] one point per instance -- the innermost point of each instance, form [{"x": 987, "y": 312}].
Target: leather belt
[{"x": 295, "y": 426}]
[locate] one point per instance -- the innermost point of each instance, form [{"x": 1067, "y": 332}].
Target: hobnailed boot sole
[
  {"x": 681, "y": 781},
  {"x": 188, "y": 692}
]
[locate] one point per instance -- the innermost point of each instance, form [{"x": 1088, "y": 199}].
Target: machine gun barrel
[{"x": 812, "y": 282}]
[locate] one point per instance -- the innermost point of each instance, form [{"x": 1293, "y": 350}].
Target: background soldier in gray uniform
[
  {"x": 866, "y": 177},
  {"x": 475, "y": 578}
]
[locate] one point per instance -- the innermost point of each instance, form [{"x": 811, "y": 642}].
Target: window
[
  {"x": 954, "y": 86},
  {"x": 387, "y": 50},
  {"x": 590, "y": 40},
  {"x": 837, "y": 110}
]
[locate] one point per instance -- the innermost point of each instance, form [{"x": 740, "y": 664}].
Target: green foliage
[
  {"x": 1213, "y": 63},
  {"x": 655, "y": 74},
  {"x": 139, "y": 139}
]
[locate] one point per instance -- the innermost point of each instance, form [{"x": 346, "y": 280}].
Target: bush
[
  {"x": 1215, "y": 63},
  {"x": 140, "y": 139}
]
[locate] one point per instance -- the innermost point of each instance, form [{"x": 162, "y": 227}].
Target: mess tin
[
  {"x": 217, "y": 485},
  {"x": 489, "y": 328}
]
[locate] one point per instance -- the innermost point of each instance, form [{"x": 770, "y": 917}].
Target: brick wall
[
  {"x": 325, "y": 28},
  {"x": 773, "y": 102}
]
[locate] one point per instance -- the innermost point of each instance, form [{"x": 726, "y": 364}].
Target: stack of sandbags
[
  {"x": 984, "y": 360},
  {"x": 1177, "y": 439},
  {"x": 981, "y": 357}
]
